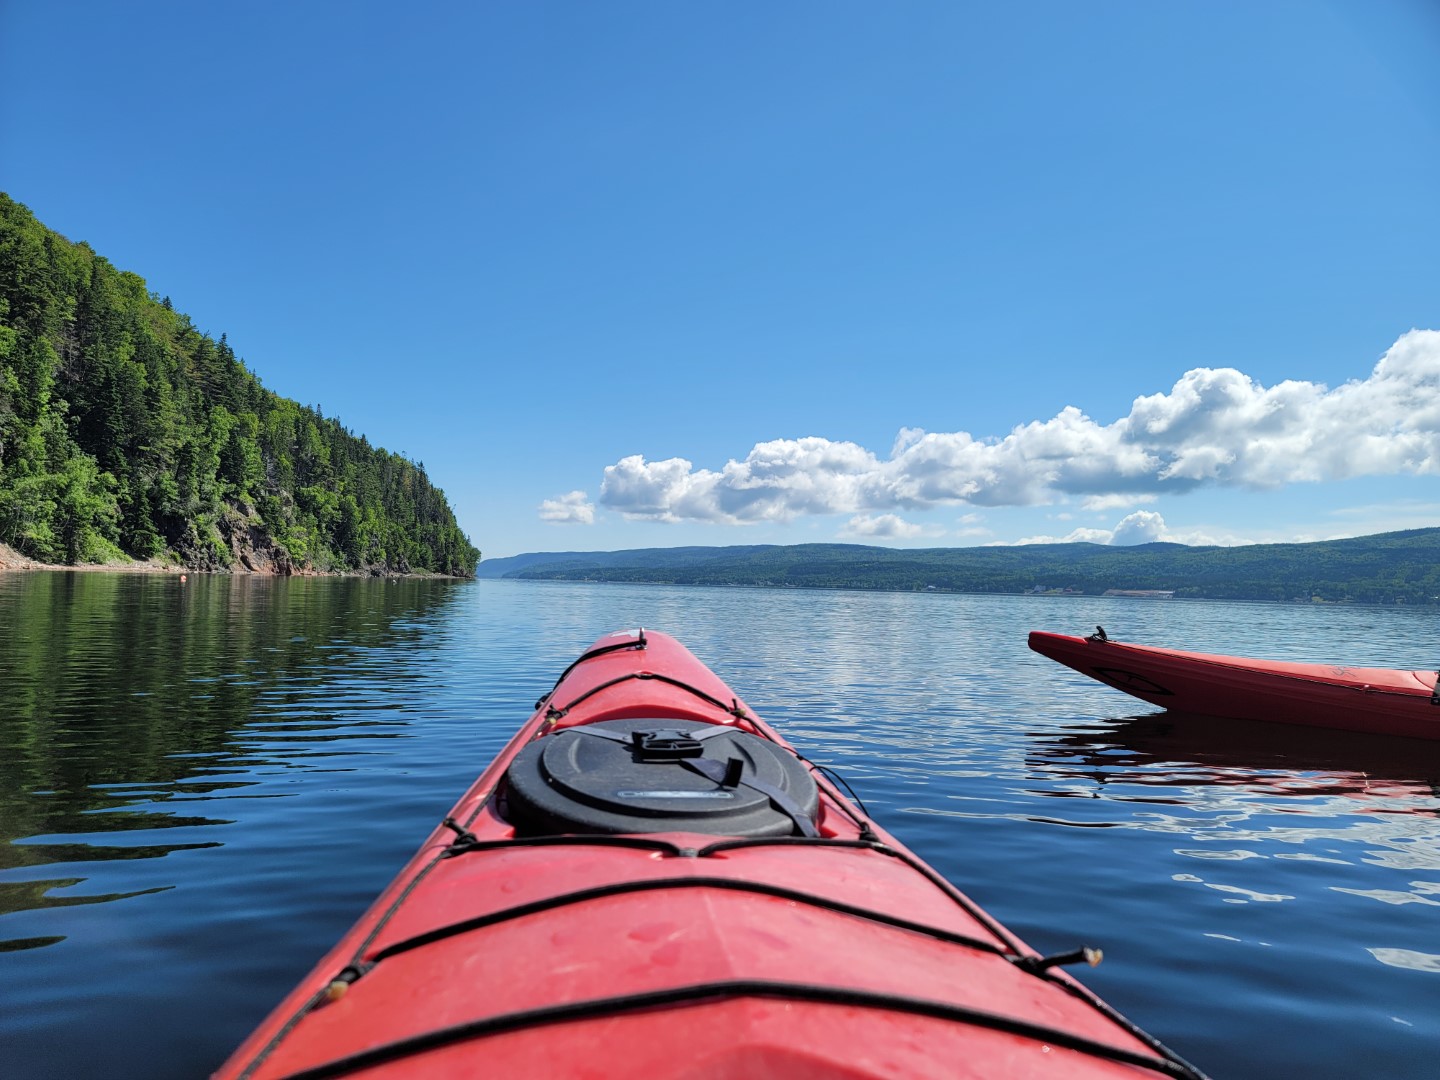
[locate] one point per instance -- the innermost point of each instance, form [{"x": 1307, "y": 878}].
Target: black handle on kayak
[
  {"x": 1036, "y": 964},
  {"x": 665, "y": 745}
]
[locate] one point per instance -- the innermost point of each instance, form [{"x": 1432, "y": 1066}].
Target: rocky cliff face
[
  {"x": 253, "y": 550},
  {"x": 239, "y": 544}
]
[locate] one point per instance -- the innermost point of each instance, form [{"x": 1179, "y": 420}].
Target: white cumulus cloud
[
  {"x": 1141, "y": 527},
  {"x": 574, "y": 508},
  {"x": 1144, "y": 527},
  {"x": 1215, "y": 426},
  {"x": 1100, "y": 503},
  {"x": 882, "y": 525},
  {"x": 1074, "y": 536}
]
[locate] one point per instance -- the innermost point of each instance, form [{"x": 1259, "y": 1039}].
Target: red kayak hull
[
  {"x": 1377, "y": 701},
  {"x": 680, "y": 954}
]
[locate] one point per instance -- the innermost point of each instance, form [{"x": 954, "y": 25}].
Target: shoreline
[{"x": 12, "y": 561}]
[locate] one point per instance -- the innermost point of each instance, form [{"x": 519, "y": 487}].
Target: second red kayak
[
  {"x": 649, "y": 882},
  {"x": 1379, "y": 701}
]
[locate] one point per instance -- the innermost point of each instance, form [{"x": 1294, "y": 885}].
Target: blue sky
[{"x": 646, "y": 273}]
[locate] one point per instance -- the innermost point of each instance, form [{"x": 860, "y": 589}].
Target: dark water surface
[{"x": 202, "y": 785}]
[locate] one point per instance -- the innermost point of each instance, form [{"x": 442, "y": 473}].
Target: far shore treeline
[
  {"x": 1390, "y": 568},
  {"x": 126, "y": 432}
]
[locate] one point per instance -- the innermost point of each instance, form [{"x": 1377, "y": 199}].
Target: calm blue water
[{"x": 202, "y": 785}]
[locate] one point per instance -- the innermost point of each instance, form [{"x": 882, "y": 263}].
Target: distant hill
[
  {"x": 1399, "y": 567},
  {"x": 578, "y": 563},
  {"x": 127, "y": 432}
]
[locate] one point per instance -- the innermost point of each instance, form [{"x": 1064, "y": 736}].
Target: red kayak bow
[
  {"x": 1379, "y": 701},
  {"x": 649, "y": 882}
]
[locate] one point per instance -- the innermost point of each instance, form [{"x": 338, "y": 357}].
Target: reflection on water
[
  {"x": 1169, "y": 749},
  {"x": 201, "y": 786},
  {"x": 1290, "y": 794},
  {"x": 136, "y": 707}
]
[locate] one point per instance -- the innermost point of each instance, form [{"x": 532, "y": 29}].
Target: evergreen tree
[{"x": 124, "y": 429}]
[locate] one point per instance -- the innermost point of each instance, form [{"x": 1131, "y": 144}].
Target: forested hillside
[
  {"x": 1401, "y": 567},
  {"x": 125, "y": 429}
]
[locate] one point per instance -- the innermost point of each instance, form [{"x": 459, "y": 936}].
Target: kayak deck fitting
[{"x": 649, "y": 881}]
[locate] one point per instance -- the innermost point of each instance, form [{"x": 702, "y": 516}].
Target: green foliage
[
  {"x": 123, "y": 428},
  {"x": 1393, "y": 568}
]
